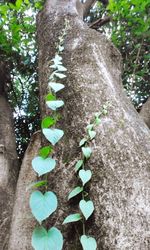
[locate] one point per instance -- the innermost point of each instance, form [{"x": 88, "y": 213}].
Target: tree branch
[
  {"x": 100, "y": 22},
  {"x": 87, "y": 6}
]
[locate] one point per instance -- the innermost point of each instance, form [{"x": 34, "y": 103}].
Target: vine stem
[
  {"x": 83, "y": 226},
  {"x": 83, "y": 221},
  {"x": 46, "y": 187}
]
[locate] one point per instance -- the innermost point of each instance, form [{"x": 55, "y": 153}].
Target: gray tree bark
[
  {"x": 121, "y": 151},
  {"x": 8, "y": 160},
  {"x": 23, "y": 222},
  {"x": 145, "y": 112}
]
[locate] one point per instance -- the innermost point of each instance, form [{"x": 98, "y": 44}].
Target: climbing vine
[
  {"x": 86, "y": 204},
  {"x": 44, "y": 204}
]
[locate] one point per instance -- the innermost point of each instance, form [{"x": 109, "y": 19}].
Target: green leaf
[
  {"x": 42, "y": 206},
  {"x": 90, "y": 126},
  {"x": 55, "y": 104},
  {"x": 61, "y": 48},
  {"x": 43, "y": 240},
  {"x": 82, "y": 142},
  {"x": 56, "y": 86},
  {"x": 43, "y": 166},
  {"x": 78, "y": 165},
  {"x": 86, "y": 208},
  {"x": 12, "y": 6},
  {"x": 53, "y": 135},
  {"x": 104, "y": 111},
  {"x": 45, "y": 151},
  {"x": 18, "y": 4},
  {"x": 53, "y": 66},
  {"x": 61, "y": 68},
  {"x": 72, "y": 218},
  {"x": 87, "y": 152},
  {"x": 57, "y": 59},
  {"x": 59, "y": 75},
  {"x": 74, "y": 192},
  {"x": 50, "y": 97},
  {"x": 88, "y": 243},
  {"x": 48, "y": 122},
  {"x": 37, "y": 184},
  {"x": 85, "y": 175},
  {"x": 92, "y": 134},
  {"x": 97, "y": 120}
]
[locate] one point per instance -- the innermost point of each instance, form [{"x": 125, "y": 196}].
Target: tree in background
[{"x": 128, "y": 25}]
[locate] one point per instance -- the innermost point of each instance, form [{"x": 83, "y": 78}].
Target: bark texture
[
  {"x": 145, "y": 112},
  {"x": 121, "y": 151},
  {"x": 8, "y": 160},
  {"x": 23, "y": 222}
]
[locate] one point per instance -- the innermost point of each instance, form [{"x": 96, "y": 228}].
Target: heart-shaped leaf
[
  {"x": 90, "y": 126},
  {"x": 50, "y": 97},
  {"x": 45, "y": 151},
  {"x": 86, "y": 152},
  {"x": 43, "y": 240},
  {"x": 55, "y": 104},
  {"x": 42, "y": 206},
  {"x": 53, "y": 135},
  {"x": 57, "y": 59},
  {"x": 85, "y": 175},
  {"x": 78, "y": 165},
  {"x": 47, "y": 122},
  {"x": 97, "y": 120},
  {"x": 82, "y": 142},
  {"x": 88, "y": 243},
  {"x": 72, "y": 218},
  {"x": 59, "y": 75},
  {"x": 61, "y": 48},
  {"x": 61, "y": 68},
  {"x": 86, "y": 208},
  {"x": 104, "y": 111},
  {"x": 43, "y": 166},
  {"x": 56, "y": 86},
  {"x": 92, "y": 134},
  {"x": 75, "y": 192}
]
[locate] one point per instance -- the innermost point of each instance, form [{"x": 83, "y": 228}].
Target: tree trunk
[
  {"x": 145, "y": 112},
  {"x": 121, "y": 150},
  {"x": 22, "y": 221},
  {"x": 8, "y": 160}
]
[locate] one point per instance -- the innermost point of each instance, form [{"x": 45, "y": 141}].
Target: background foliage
[{"x": 129, "y": 30}]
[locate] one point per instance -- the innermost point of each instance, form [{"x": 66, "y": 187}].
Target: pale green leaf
[
  {"x": 87, "y": 152},
  {"x": 86, "y": 208},
  {"x": 43, "y": 166},
  {"x": 85, "y": 175},
  {"x": 43, "y": 240},
  {"x": 72, "y": 218},
  {"x": 59, "y": 75},
  {"x": 56, "y": 86},
  {"x": 88, "y": 243},
  {"x": 74, "y": 192},
  {"x": 53, "y": 135},
  {"x": 92, "y": 134},
  {"x": 78, "y": 165},
  {"x": 82, "y": 142},
  {"x": 55, "y": 104},
  {"x": 43, "y": 205}
]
